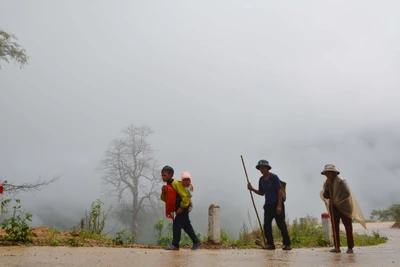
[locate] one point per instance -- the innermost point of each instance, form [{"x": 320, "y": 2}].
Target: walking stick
[
  {"x": 252, "y": 199},
  {"x": 335, "y": 241}
]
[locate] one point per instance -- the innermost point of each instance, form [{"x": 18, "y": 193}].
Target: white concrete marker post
[
  {"x": 326, "y": 226},
  {"x": 214, "y": 224}
]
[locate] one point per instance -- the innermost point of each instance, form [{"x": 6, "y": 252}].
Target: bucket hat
[
  {"x": 263, "y": 162},
  {"x": 329, "y": 168}
]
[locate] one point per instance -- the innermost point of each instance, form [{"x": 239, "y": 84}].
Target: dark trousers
[
  {"x": 182, "y": 221},
  {"x": 348, "y": 225},
  {"x": 269, "y": 215}
]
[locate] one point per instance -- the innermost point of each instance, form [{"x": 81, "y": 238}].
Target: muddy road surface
[{"x": 382, "y": 255}]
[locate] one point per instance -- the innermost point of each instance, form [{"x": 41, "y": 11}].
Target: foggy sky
[{"x": 299, "y": 83}]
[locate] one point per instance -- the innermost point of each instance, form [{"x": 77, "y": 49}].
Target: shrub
[
  {"x": 17, "y": 227},
  {"x": 123, "y": 238}
]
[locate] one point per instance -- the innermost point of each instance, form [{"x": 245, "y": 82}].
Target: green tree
[
  {"x": 392, "y": 213},
  {"x": 10, "y": 50}
]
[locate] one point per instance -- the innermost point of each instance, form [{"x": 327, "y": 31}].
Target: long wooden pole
[
  {"x": 252, "y": 200},
  {"x": 335, "y": 241}
]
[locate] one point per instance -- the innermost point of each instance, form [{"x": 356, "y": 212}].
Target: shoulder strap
[
  {"x": 283, "y": 186},
  {"x": 170, "y": 198}
]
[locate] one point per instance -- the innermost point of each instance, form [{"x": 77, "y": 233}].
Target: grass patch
[
  {"x": 309, "y": 234},
  {"x": 302, "y": 235},
  {"x": 362, "y": 240}
]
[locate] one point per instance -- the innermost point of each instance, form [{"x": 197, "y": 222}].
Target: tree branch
[{"x": 28, "y": 187}]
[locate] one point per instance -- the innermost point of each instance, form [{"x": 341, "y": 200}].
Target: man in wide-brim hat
[
  {"x": 330, "y": 168},
  {"x": 340, "y": 205},
  {"x": 269, "y": 185}
]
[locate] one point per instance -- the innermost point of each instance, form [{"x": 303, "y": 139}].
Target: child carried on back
[
  {"x": 176, "y": 194},
  {"x": 186, "y": 181}
]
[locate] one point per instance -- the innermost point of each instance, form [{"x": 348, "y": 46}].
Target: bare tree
[
  {"x": 27, "y": 187},
  {"x": 132, "y": 172},
  {"x": 12, "y": 190}
]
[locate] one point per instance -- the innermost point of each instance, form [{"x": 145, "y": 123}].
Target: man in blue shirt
[{"x": 269, "y": 186}]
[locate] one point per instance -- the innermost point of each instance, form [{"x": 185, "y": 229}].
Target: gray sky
[{"x": 300, "y": 83}]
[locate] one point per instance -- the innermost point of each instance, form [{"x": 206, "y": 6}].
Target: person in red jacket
[{"x": 181, "y": 220}]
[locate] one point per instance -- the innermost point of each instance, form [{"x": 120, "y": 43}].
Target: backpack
[
  {"x": 170, "y": 199},
  {"x": 283, "y": 186}
]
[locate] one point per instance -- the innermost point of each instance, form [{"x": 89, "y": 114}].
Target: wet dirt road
[{"x": 383, "y": 255}]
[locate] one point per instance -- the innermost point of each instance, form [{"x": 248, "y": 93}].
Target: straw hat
[{"x": 330, "y": 168}]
